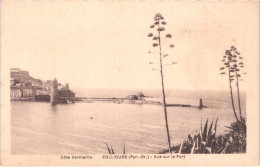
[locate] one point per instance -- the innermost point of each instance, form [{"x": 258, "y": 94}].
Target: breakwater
[{"x": 126, "y": 100}]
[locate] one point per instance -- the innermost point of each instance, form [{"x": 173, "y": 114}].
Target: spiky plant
[
  {"x": 111, "y": 150},
  {"x": 206, "y": 142},
  {"x": 238, "y": 134},
  {"x": 233, "y": 63},
  {"x": 201, "y": 143},
  {"x": 158, "y": 25}
]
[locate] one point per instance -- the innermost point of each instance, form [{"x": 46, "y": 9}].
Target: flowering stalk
[
  {"x": 230, "y": 61},
  {"x": 159, "y": 22}
]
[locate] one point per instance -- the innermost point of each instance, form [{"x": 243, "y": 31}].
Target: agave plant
[
  {"x": 206, "y": 142},
  {"x": 160, "y": 23},
  {"x": 201, "y": 143},
  {"x": 111, "y": 150},
  {"x": 238, "y": 135},
  {"x": 233, "y": 67}
]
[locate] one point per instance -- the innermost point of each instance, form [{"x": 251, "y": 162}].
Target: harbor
[
  {"x": 23, "y": 87},
  {"x": 139, "y": 126}
]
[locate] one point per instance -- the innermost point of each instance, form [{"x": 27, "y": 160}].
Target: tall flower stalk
[
  {"x": 230, "y": 60},
  {"x": 159, "y": 26}
]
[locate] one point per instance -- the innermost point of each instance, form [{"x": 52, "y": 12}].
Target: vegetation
[
  {"x": 206, "y": 142},
  {"x": 111, "y": 150},
  {"x": 233, "y": 64},
  {"x": 158, "y": 25}
]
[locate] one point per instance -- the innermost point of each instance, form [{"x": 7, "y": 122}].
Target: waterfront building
[
  {"x": 28, "y": 92},
  {"x": 15, "y": 92},
  {"x": 18, "y": 85},
  {"x": 25, "y": 87},
  {"x": 42, "y": 92},
  {"x": 65, "y": 93},
  {"x": 12, "y": 82}
]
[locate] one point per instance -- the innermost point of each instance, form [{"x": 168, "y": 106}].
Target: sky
[{"x": 105, "y": 44}]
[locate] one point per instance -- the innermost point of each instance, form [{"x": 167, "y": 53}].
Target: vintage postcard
[{"x": 129, "y": 83}]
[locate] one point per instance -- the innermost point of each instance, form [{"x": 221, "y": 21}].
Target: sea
[{"x": 38, "y": 128}]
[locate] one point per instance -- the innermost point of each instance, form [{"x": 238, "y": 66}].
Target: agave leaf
[
  {"x": 210, "y": 128},
  {"x": 112, "y": 151},
  {"x": 208, "y": 149},
  {"x": 124, "y": 149},
  {"x": 197, "y": 142},
  {"x": 224, "y": 150},
  {"x": 216, "y": 125},
  {"x": 189, "y": 139},
  {"x": 204, "y": 134},
  {"x": 228, "y": 127},
  {"x": 108, "y": 149},
  {"x": 210, "y": 139},
  {"x": 193, "y": 147},
  {"x": 180, "y": 147},
  {"x": 200, "y": 127}
]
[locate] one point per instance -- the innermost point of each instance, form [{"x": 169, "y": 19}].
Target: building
[
  {"x": 42, "y": 92},
  {"x": 65, "y": 93},
  {"x": 28, "y": 92},
  {"x": 12, "y": 82},
  {"x": 25, "y": 87},
  {"x": 20, "y": 76},
  {"x": 139, "y": 96},
  {"x": 15, "y": 92},
  {"x": 46, "y": 85},
  {"x": 17, "y": 72},
  {"x": 14, "y": 70}
]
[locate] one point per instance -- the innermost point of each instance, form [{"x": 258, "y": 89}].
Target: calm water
[{"x": 39, "y": 128}]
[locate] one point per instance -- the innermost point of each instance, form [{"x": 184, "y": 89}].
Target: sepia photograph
[{"x": 135, "y": 80}]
